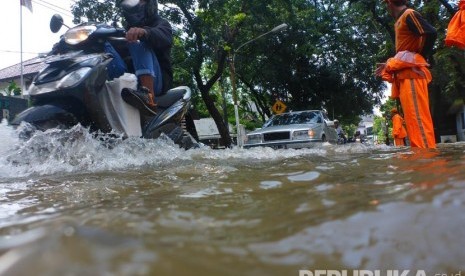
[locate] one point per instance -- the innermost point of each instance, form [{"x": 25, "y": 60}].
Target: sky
[{"x": 37, "y": 37}]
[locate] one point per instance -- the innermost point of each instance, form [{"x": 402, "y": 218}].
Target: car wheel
[{"x": 323, "y": 138}]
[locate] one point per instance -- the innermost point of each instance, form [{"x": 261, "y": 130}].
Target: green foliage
[
  {"x": 97, "y": 11},
  {"x": 383, "y": 125},
  {"x": 251, "y": 125},
  {"x": 388, "y": 105},
  {"x": 449, "y": 71},
  {"x": 379, "y": 128},
  {"x": 12, "y": 89},
  {"x": 316, "y": 62},
  {"x": 350, "y": 129},
  {"x": 239, "y": 18}
]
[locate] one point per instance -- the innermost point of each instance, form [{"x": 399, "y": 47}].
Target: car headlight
[
  {"x": 311, "y": 133},
  {"x": 78, "y": 34},
  {"x": 253, "y": 139},
  {"x": 303, "y": 134}
]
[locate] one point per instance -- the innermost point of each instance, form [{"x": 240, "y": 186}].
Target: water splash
[
  {"x": 76, "y": 150},
  {"x": 8, "y": 138}
]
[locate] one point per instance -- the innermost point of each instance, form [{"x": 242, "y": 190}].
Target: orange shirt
[{"x": 413, "y": 33}]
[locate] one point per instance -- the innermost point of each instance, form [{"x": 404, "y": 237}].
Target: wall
[{"x": 10, "y": 106}]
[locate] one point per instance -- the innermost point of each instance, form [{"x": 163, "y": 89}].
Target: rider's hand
[{"x": 135, "y": 34}]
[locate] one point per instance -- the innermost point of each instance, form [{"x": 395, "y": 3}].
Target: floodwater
[{"x": 71, "y": 204}]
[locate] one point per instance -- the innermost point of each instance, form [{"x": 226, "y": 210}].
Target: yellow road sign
[{"x": 279, "y": 107}]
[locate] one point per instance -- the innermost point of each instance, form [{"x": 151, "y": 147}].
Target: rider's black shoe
[{"x": 141, "y": 99}]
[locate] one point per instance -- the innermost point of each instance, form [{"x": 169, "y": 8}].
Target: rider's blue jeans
[{"x": 144, "y": 60}]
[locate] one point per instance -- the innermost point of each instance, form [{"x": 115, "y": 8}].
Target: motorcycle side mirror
[{"x": 56, "y": 23}]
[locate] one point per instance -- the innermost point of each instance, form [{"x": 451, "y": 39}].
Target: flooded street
[{"x": 73, "y": 205}]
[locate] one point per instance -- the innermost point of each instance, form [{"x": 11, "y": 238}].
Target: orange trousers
[
  {"x": 413, "y": 94},
  {"x": 398, "y": 142}
]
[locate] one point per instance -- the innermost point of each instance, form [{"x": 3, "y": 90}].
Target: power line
[
  {"x": 53, "y": 7},
  {"x": 18, "y": 52}
]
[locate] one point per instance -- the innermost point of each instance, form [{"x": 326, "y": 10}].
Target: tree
[
  {"x": 211, "y": 27},
  {"x": 380, "y": 130},
  {"x": 97, "y": 11},
  {"x": 323, "y": 60}
]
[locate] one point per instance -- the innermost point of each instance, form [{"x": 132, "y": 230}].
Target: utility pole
[{"x": 232, "y": 71}]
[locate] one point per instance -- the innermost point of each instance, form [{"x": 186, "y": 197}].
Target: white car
[{"x": 298, "y": 129}]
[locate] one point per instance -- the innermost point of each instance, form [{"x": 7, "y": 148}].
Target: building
[
  {"x": 365, "y": 127},
  {"x": 13, "y": 73},
  {"x": 12, "y": 105},
  {"x": 208, "y": 132}
]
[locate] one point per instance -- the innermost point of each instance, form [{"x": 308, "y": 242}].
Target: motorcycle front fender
[
  {"x": 45, "y": 117},
  {"x": 172, "y": 115}
]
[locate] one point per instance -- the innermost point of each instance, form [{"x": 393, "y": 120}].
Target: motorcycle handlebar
[
  {"x": 117, "y": 38},
  {"x": 117, "y": 35}
]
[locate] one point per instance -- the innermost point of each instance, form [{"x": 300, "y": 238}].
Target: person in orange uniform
[
  {"x": 408, "y": 71},
  {"x": 455, "y": 35},
  {"x": 398, "y": 130}
]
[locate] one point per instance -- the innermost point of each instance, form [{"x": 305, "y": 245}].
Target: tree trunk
[{"x": 215, "y": 114}]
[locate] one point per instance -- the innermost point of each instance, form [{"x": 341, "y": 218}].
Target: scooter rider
[
  {"x": 339, "y": 131},
  {"x": 150, "y": 40}
]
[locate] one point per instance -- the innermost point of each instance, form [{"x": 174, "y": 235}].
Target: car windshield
[{"x": 293, "y": 119}]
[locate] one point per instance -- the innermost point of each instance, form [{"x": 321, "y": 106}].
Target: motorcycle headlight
[
  {"x": 67, "y": 81},
  {"x": 73, "y": 77},
  {"x": 78, "y": 34}
]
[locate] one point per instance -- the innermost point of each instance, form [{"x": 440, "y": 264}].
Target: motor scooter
[{"x": 75, "y": 88}]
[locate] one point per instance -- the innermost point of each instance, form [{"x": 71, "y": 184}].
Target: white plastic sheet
[{"x": 123, "y": 117}]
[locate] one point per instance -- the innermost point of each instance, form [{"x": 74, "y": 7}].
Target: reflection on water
[{"x": 74, "y": 205}]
